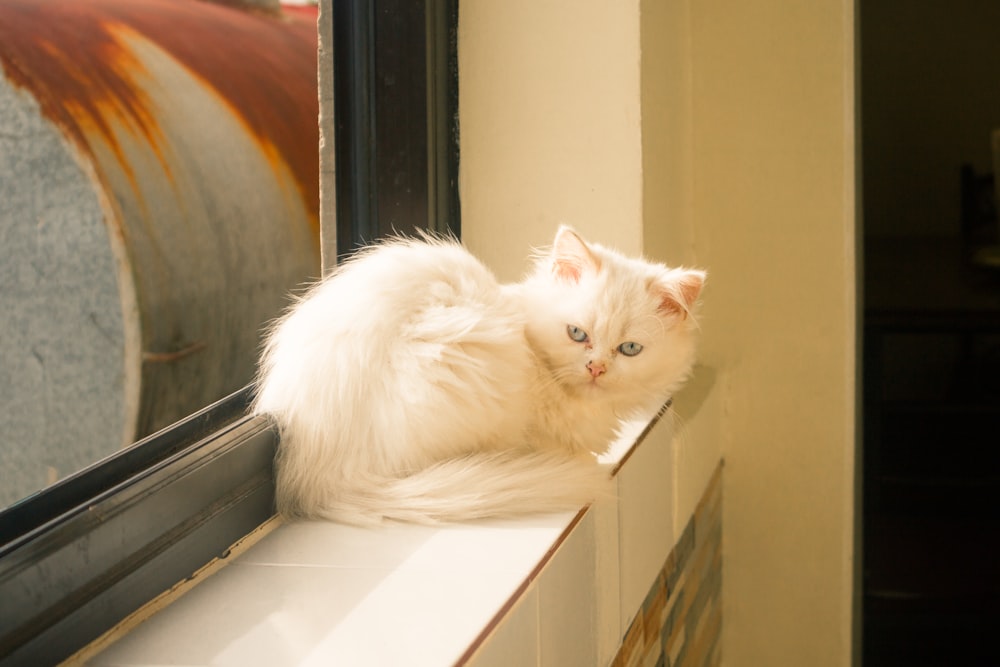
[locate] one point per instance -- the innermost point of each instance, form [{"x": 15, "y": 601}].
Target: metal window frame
[
  {"x": 395, "y": 86},
  {"x": 83, "y": 554}
]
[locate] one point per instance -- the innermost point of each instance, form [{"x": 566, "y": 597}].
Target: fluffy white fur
[{"x": 411, "y": 385}]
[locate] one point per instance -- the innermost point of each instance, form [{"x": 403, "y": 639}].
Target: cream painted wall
[
  {"x": 726, "y": 141},
  {"x": 773, "y": 166},
  {"x": 749, "y": 170},
  {"x": 669, "y": 221},
  {"x": 550, "y": 125}
]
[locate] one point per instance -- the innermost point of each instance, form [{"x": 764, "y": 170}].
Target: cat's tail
[{"x": 494, "y": 484}]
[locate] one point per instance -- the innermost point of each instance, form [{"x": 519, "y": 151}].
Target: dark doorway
[{"x": 930, "y": 108}]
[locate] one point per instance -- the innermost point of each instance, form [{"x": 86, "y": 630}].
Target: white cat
[{"x": 411, "y": 385}]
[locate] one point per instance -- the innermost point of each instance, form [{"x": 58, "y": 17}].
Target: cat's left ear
[
  {"x": 571, "y": 257},
  {"x": 679, "y": 290}
]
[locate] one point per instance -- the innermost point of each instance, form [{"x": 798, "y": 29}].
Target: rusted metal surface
[
  {"x": 71, "y": 57},
  {"x": 187, "y": 132}
]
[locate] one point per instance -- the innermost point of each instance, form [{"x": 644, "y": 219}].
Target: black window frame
[
  {"x": 82, "y": 555},
  {"x": 396, "y": 102}
]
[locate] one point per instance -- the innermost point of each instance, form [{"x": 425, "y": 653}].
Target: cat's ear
[
  {"x": 678, "y": 290},
  {"x": 571, "y": 257}
]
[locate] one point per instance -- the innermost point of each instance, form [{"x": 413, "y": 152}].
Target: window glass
[{"x": 159, "y": 199}]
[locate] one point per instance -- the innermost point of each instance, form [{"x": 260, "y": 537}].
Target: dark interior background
[{"x": 930, "y": 98}]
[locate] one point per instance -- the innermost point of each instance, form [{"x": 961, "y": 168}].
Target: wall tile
[
  {"x": 645, "y": 486},
  {"x": 679, "y": 620},
  {"x": 607, "y": 569},
  {"x": 515, "y": 641},
  {"x": 569, "y": 600}
]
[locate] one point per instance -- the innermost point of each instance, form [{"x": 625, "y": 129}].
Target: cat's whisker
[
  {"x": 659, "y": 328},
  {"x": 680, "y": 428}
]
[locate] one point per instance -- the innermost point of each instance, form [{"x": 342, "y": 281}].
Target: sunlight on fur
[{"x": 411, "y": 385}]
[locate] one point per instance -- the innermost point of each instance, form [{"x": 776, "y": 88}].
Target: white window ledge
[{"x": 548, "y": 589}]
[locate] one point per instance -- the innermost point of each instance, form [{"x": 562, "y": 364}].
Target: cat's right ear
[
  {"x": 571, "y": 257},
  {"x": 679, "y": 290}
]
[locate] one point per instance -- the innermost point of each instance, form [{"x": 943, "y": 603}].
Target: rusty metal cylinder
[{"x": 158, "y": 201}]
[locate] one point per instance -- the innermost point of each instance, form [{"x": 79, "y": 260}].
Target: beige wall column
[
  {"x": 550, "y": 125},
  {"x": 719, "y": 134},
  {"x": 791, "y": 160},
  {"x": 749, "y": 169}
]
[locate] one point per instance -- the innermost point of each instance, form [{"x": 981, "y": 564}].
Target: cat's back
[
  {"x": 397, "y": 299},
  {"x": 406, "y": 332},
  {"x": 400, "y": 280}
]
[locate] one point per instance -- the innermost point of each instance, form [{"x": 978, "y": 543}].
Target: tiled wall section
[{"x": 681, "y": 618}]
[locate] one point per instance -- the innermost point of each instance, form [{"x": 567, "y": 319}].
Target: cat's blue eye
[
  {"x": 577, "y": 334},
  {"x": 630, "y": 349}
]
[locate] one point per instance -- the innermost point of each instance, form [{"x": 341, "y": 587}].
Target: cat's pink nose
[{"x": 596, "y": 368}]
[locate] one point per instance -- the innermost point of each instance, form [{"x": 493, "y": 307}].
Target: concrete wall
[{"x": 721, "y": 135}]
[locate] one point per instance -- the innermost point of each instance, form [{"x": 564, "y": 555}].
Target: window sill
[{"x": 559, "y": 588}]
